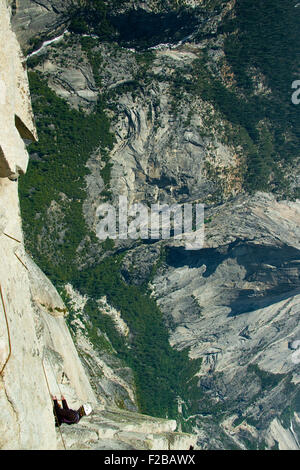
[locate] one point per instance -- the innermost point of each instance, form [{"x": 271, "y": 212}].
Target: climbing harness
[
  {"x": 8, "y": 331},
  {"x": 62, "y": 439}
]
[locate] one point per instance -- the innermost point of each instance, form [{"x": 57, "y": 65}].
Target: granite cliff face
[
  {"x": 32, "y": 325},
  {"x": 37, "y": 353},
  {"x": 192, "y": 121}
]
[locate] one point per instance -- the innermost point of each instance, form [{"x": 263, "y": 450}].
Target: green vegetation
[
  {"x": 267, "y": 379},
  {"x": 89, "y": 45},
  {"x": 293, "y": 405},
  {"x": 145, "y": 59},
  {"x": 264, "y": 36},
  {"x": 90, "y": 16},
  {"x": 261, "y": 40},
  {"x": 57, "y": 171},
  {"x": 170, "y": 22},
  {"x": 161, "y": 373},
  {"x": 252, "y": 126}
]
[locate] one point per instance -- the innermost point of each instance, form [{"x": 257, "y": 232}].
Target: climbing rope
[
  {"x": 4, "y": 309},
  {"x": 8, "y": 331},
  {"x": 9, "y": 355},
  {"x": 21, "y": 261},
  {"x": 15, "y": 239},
  {"x": 12, "y": 238},
  {"x": 62, "y": 439},
  {"x": 53, "y": 372},
  {"x": 9, "y": 342}
]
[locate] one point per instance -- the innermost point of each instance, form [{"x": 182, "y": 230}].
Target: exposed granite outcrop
[
  {"x": 38, "y": 18},
  {"x": 113, "y": 429},
  {"x": 236, "y": 305}
]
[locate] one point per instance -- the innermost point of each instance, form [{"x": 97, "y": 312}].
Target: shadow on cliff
[
  {"x": 142, "y": 29},
  {"x": 273, "y": 271}
]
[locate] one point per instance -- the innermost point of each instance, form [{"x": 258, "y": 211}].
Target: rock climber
[{"x": 66, "y": 415}]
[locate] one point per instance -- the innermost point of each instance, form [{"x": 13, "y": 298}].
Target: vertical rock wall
[{"x": 33, "y": 333}]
